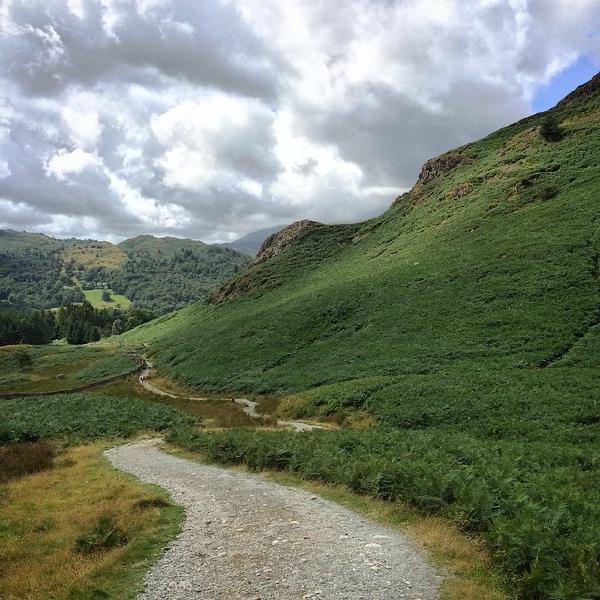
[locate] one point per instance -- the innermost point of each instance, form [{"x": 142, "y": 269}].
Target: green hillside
[
  {"x": 493, "y": 262},
  {"x": 465, "y": 322},
  {"x": 157, "y": 246}
]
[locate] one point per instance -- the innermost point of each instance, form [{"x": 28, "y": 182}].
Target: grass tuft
[{"x": 104, "y": 535}]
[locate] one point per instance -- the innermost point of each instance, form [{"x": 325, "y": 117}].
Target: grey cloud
[
  {"x": 54, "y": 48},
  {"x": 391, "y": 136},
  {"x": 250, "y": 151}
]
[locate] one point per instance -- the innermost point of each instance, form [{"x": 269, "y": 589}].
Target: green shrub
[
  {"x": 536, "y": 503},
  {"x": 548, "y": 192},
  {"x": 550, "y": 130},
  {"x": 84, "y": 416}
]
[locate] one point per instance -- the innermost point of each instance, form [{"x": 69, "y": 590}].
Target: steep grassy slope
[
  {"x": 90, "y": 253},
  {"x": 465, "y": 321},
  {"x": 491, "y": 265}
]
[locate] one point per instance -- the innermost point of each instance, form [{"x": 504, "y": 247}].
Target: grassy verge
[
  {"x": 47, "y": 520},
  {"x": 463, "y": 557}
]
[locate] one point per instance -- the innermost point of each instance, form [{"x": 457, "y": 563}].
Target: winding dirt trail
[
  {"x": 248, "y": 538},
  {"x": 248, "y": 406}
]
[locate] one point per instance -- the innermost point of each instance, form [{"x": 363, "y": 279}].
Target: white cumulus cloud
[{"x": 210, "y": 119}]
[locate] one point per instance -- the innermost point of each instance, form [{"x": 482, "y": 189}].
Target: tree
[
  {"x": 117, "y": 327},
  {"x": 106, "y": 296},
  {"x": 75, "y": 333},
  {"x": 551, "y": 130},
  {"x": 94, "y": 334}
]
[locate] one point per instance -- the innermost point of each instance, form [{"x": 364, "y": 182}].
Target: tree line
[
  {"x": 33, "y": 277},
  {"x": 76, "y": 323}
]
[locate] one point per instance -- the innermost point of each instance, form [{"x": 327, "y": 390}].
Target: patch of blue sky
[{"x": 582, "y": 70}]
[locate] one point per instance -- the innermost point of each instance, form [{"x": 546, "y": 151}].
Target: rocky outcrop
[
  {"x": 431, "y": 170},
  {"x": 271, "y": 247},
  {"x": 440, "y": 165},
  {"x": 279, "y": 241}
]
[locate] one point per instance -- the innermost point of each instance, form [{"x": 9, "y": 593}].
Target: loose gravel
[{"x": 248, "y": 538}]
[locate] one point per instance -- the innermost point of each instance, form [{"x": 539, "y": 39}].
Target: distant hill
[
  {"x": 161, "y": 274},
  {"x": 160, "y": 246},
  {"x": 251, "y": 242}
]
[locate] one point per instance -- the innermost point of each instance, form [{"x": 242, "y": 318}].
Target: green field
[
  {"x": 94, "y": 297},
  {"x": 465, "y": 322}
]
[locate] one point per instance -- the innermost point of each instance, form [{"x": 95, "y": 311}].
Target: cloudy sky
[{"x": 212, "y": 118}]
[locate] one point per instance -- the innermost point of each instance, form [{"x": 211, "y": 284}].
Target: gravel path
[
  {"x": 248, "y": 538},
  {"x": 249, "y": 406}
]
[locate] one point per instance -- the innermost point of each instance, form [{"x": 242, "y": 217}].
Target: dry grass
[
  {"x": 96, "y": 254},
  {"x": 17, "y": 460},
  {"x": 463, "y": 558},
  {"x": 43, "y": 515},
  {"x": 168, "y": 385},
  {"x": 268, "y": 405}
]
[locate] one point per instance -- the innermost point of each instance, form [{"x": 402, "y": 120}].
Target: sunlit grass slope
[
  {"x": 44, "y": 516},
  {"x": 490, "y": 265}
]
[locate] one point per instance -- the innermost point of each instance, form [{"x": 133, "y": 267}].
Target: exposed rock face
[
  {"x": 440, "y": 166},
  {"x": 432, "y": 169},
  {"x": 271, "y": 247},
  {"x": 592, "y": 86},
  {"x": 279, "y": 241}
]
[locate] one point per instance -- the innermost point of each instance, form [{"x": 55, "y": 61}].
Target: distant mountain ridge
[{"x": 251, "y": 242}]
